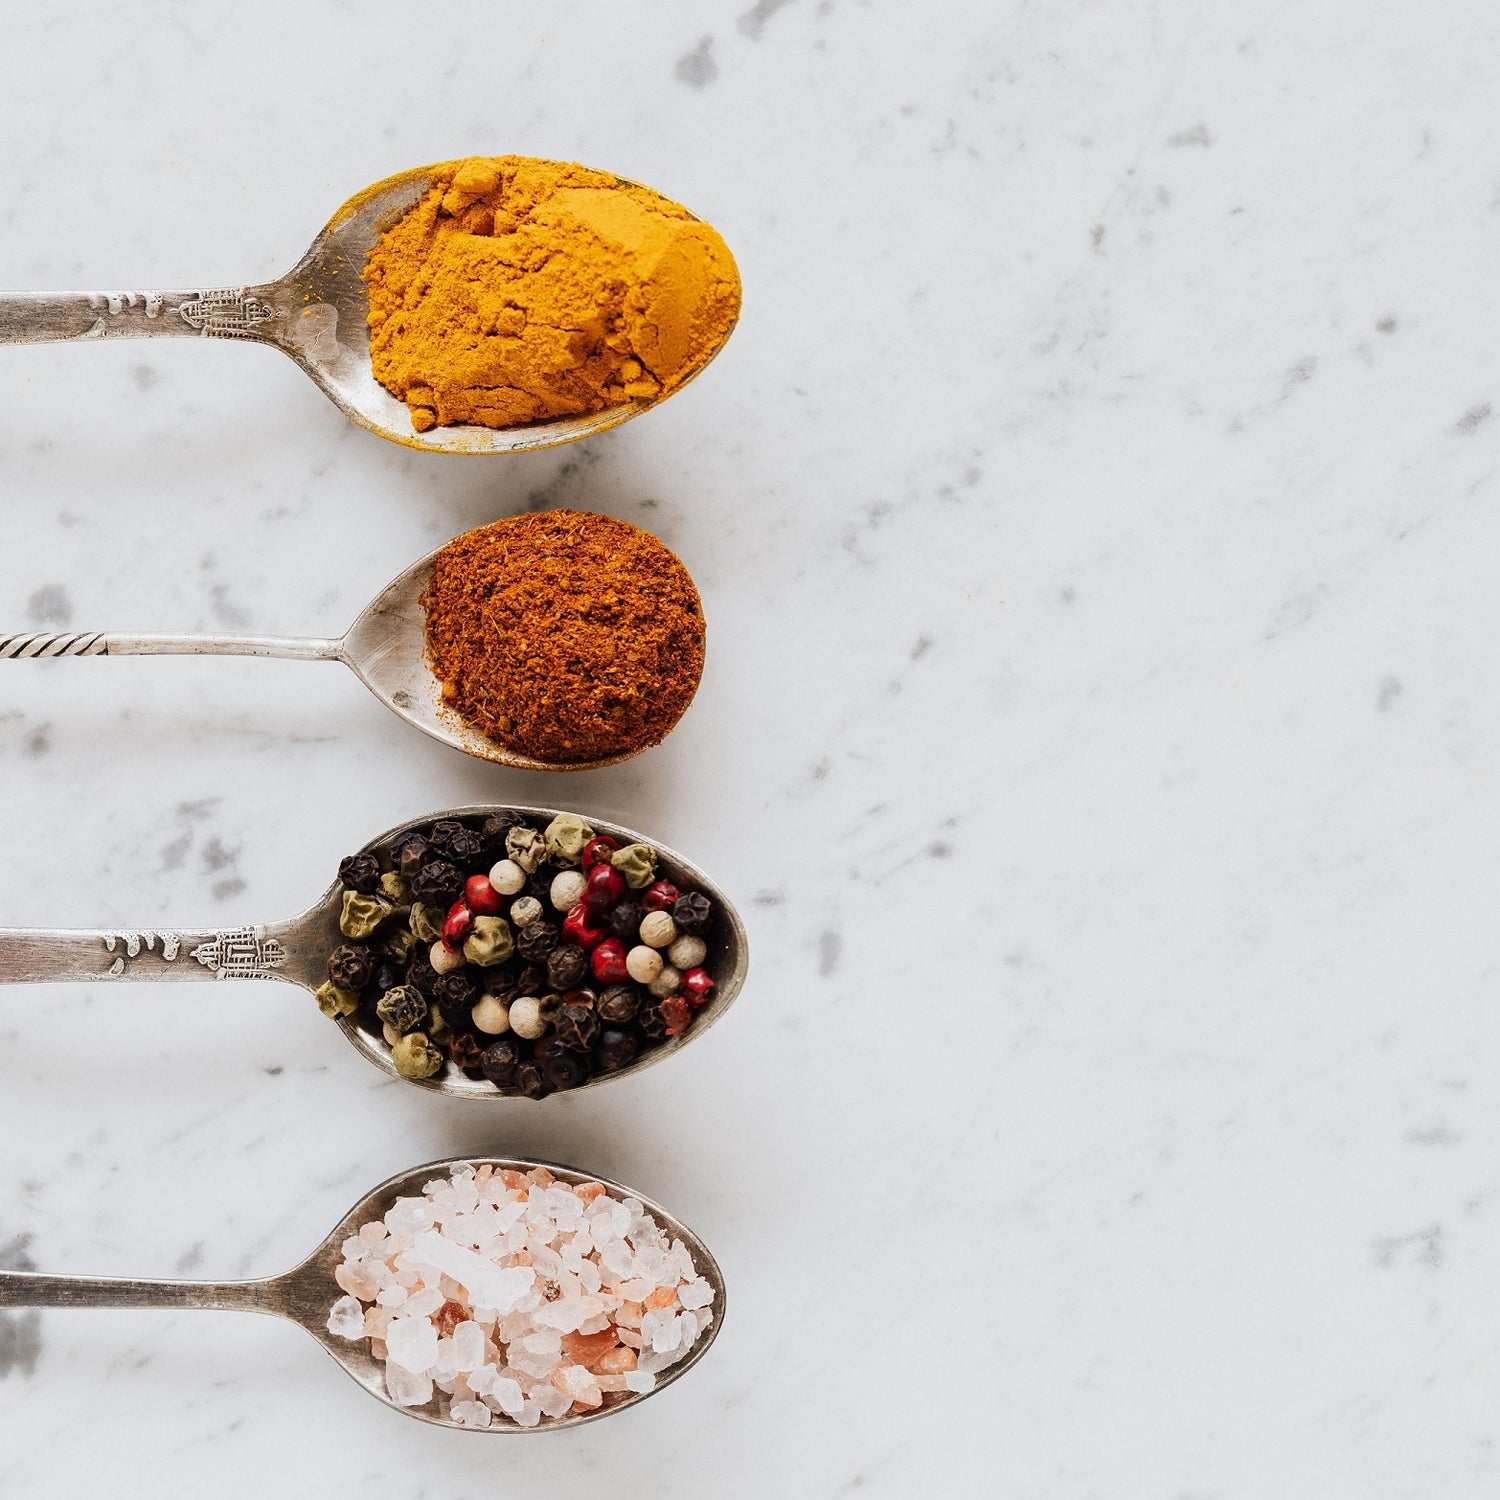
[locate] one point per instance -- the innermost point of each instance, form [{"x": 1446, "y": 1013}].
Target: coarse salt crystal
[
  {"x": 408, "y": 1216},
  {"x": 406, "y": 1387},
  {"x": 413, "y": 1343},
  {"x": 346, "y": 1318},
  {"x": 489, "y": 1284},
  {"x": 470, "y": 1414},
  {"x": 640, "y": 1380},
  {"x": 468, "y": 1346}
]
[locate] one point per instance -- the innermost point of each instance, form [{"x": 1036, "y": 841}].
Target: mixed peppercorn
[{"x": 533, "y": 957}]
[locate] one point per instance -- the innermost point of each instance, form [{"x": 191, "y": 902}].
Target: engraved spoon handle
[
  {"x": 33, "y": 955},
  {"x": 86, "y": 643},
  {"x": 35, "y": 1289},
  {"x": 217, "y": 312}
]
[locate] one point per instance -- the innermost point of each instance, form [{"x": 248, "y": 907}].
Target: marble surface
[{"x": 1096, "y": 517}]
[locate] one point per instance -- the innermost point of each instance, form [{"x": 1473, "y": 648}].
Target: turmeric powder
[{"x": 517, "y": 290}]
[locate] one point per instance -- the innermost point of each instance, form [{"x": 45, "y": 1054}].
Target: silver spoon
[
  {"x": 297, "y": 949},
  {"x": 385, "y": 648},
  {"x": 317, "y": 313},
  {"x": 305, "y": 1294}
]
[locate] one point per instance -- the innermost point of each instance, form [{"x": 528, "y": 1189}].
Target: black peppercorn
[
  {"x": 691, "y": 912},
  {"x": 652, "y": 1022},
  {"x": 577, "y": 1028},
  {"x": 468, "y": 850},
  {"x": 532, "y": 979},
  {"x": 441, "y": 834},
  {"x": 536, "y": 940},
  {"x": 619, "y": 1004},
  {"x": 616, "y": 1049},
  {"x": 455, "y": 993},
  {"x": 360, "y": 872},
  {"x": 494, "y": 829},
  {"x": 500, "y": 979},
  {"x": 351, "y": 966},
  {"x": 410, "y": 853},
  {"x": 562, "y": 1067},
  {"x": 387, "y": 976},
  {"x": 625, "y": 921},
  {"x": 499, "y": 1061},
  {"x": 438, "y": 883},
  {"x": 466, "y": 1053},
  {"x": 567, "y": 966},
  {"x": 530, "y": 1082}
]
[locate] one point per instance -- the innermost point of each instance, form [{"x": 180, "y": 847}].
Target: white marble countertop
[{"x": 1096, "y": 517}]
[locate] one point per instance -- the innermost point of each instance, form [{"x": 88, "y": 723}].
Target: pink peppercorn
[
  {"x": 578, "y": 927},
  {"x": 604, "y": 887},
  {"x": 481, "y": 897},
  {"x": 675, "y": 1012},
  {"x": 697, "y": 985},
  {"x": 662, "y": 896},
  {"x": 608, "y": 961},
  {"x": 598, "y": 850},
  {"x": 457, "y": 925}
]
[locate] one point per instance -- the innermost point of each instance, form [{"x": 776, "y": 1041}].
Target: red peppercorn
[
  {"x": 598, "y": 850},
  {"x": 481, "y": 897},
  {"x": 675, "y": 1012},
  {"x": 660, "y": 897},
  {"x": 457, "y": 925},
  {"x": 578, "y": 927},
  {"x": 604, "y": 888},
  {"x": 697, "y": 985},
  {"x": 609, "y": 962}
]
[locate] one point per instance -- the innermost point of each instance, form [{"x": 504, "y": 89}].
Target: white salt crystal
[
  {"x": 408, "y": 1216},
  {"x": 528, "y": 1415},
  {"x": 621, "y": 1217},
  {"x": 595, "y": 1325},
  {"x": 406, "y": 1388},
  {"x": 489, "y": 1284},
  {"x": 668, "y": 1336},
  {"x": 552, "y": 1401},
  {"x": 568, "y": 1312},
  {"x": 444, "y": 1367},
  {"x": 640, "y": 1380},
  {"x": 421, "y": 1304},
  {"x": 507, "y": 1394},
  {"x": 353, "y": 1248},
  {"x": 346, "y": 1318},
  {"x": 373, "y": 1232},
  {"x": 468, "y": 1346},
  {"x": 392, "y": 1296},
  {"x": 697, "y": 1293},
  {"x": 470, "y": 1414},
  {"x": 412, "y": 1343}
]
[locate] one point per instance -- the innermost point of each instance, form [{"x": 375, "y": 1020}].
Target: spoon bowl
[
  {"x": 296, "y": 950},
  {"x": 318, "y": 315},
  {"x": 305, "y": 1294}
]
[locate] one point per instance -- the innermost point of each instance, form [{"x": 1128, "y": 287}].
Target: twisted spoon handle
[
  {"x": 30, "y": 955},
  {"x": 34, "y": 1289},
  {"x": 83, "y": 643},
  {"x": 214, "y": 312}
]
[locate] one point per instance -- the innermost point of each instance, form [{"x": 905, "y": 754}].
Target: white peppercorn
[
  {"x": 666, "y": 982},
  {"x": 526, "y": 1018},
  {"x": 525, "y": 911},
  {"x": 491, "y": 1015},
  {"x": 643, "y": 964},
  {"x": 567, "y": 889},
  {"x": 657, "y": 929},
  {"x": 444, "y": 959},
  {"x": 687, "y": 952},
  {"x": 507, "y": 877}
]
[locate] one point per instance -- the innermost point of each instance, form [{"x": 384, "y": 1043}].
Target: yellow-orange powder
[{"x": 518, "y": 290}]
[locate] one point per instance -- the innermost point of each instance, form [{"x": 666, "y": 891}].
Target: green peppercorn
[
  {"x": 637, "y": 863},
  {"x": 334, "y": 1002},
  {"x": 437, "y": 1027},
  {"x": 403, "y": 1008},
  {"x": 361, "y": 915},
  {"x": 565, "y": 837},
  {"x": 426, "y": 922},
  {"x": 394, "y": 889},
  {"x": 415, "y": 1056},
  {"x": 489, "y": 942},
  {"x": 525, "y": 847},
  {"x": 398, "y": 943}
]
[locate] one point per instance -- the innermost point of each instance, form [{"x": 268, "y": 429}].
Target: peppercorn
[
  {"x": 387, "y": 976},
  {"x": 618, "y": 1004},
  {"x": 490, "y": 942},
  {"x": 360, "y": 872},
  {"x": 334, "y": 1002},
  {"x": 444, "y": 959},
  {"x": 643, "y": 964},
  {"x": 394, "y": 889},
  {"x": 426, "y": 922},
  {"x": 581, "y": 997},
  {"x": 532, "y": 980},
  {"x": 567, "y": 889},
  {"x": 562, "y": 1067},
  {"x": 455, "y": 994},
  {"x": 403, "y": 1008},
  {"x": 536, "y": 940},
  {"x": 567, "y": 966},
  {"x": 495, "y": 827},
  {"x": 657, "y": 929},
  {"x": 565, "y": 838},
  {"x": 525, "y": 911},
  {"x": 351, "y": 966},
  {"x": 651, "y": 1022},
  {"x": 603, "y": 887},
  {"x": 577, "y": 1027},
  {"x": 465, "y": 1052},
  {"x": 507, "y": 877},
  {"x": 457, "y": 925},
  {"x": 398, "y": 943},
  {"x": 525, "y": 847},
  {"x": 581, "y": 926},
  {"x": 481, "y": 897},
  {"x": 637, "y": 863},
  {"x": 415, "y": 1056},
  {"x": 687, "y": 953},
  {"x": 441, "y": 835},
  {"x": 665, "y": 983},
  {"x": 661, "y": 896},
  {"x": 676, "y": 1013},
  {"x": 490, "y": 1015},
  {"x": 410, "y": 853},
  {"x": 499, "y": 1061},
  {"x": 419, "y": 972},
  {"x": 359, "y": 915},
  {"x": 437, "y": 883},
  {"x": 625, "y": 920},
  {"x": 692, "y": 912},
  {"x": 530, "y": 1082},
  {"x": 608, "y": 962},
  {"x": 597, "y": 850},
  {"x": 615, "y": 1049},
  {"x": 526, "y": 1018},
  {"x": 697, "y": 985}
]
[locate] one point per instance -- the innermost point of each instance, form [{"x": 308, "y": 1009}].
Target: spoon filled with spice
[
  {"x": 490, "y": 305},
  {"x": 488, "y": 1294},
  {"x": 552, "y": 641},
  {"x": 483, "y": 953}
]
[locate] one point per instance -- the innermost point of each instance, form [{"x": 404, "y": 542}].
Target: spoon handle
[
  {"x": 85, "y": 643},
  {"x": 34, "y": 1289},
  {"x": 217, "y": 312},
  {"x": 30, "y": 955}
]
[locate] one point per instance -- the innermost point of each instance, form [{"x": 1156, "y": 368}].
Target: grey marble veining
[{"x": 1095, "y": 513}]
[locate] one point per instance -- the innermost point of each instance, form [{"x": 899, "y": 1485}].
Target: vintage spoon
[
  {"x": 385, "y": 648},
  {"x": 296, "y": 950},
  {"x": 305, "y": 1294},
  {"x": 316, "y": 313}
]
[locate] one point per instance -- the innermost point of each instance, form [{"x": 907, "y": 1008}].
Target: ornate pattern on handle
[
  {"x": 118, "y": 302},
  {"x": 134, "y": 942},
  {"x": 241, "y": 953},
  {"x": 225, "y": 313},
  {"x": 80, "y": 643}
]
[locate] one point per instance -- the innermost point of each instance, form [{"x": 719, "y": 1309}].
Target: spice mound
[
  {"x": 564, "y": 635},
  {"x": 533, "y": 956},
  {"x": 518, "y": 290},
  {"x": 501, "y": 1296}
]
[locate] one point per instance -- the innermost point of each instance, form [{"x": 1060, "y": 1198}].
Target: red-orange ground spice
[{"x": 564, "y": 635}]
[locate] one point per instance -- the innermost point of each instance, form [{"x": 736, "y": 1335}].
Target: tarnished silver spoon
[
  {"x": 297, "y": 949},
  {"x": 305, "y": 1294},
  {"x": 385, "y": 648},
  {"x": 317, "y": 313}
]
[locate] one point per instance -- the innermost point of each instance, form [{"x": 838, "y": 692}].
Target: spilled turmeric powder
[{"x": 518, "y": 290}]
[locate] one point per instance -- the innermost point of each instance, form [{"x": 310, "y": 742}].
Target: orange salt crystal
[
  {"x": 356, "y": 1281},
  {"x": 512, "y": 1179},
  {"x": 586, "y": 1192},
  {"x": 630, "y": 1337},
  {"x": 587, "y": 1349},
  {"x": 618, "y": 1361},
  {"x": 629, "y": 1315},
  {"x": 483, "y": 1174},
  {"x": 449, "y": 1316},
  {"x": 663, "y": 1296},
  {"x": 541, "y": 1177}
]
